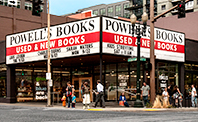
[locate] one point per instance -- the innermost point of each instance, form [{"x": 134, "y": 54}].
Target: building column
[
  {"x": 181, "y": 79},
  {"x": 11, "y": 84}
]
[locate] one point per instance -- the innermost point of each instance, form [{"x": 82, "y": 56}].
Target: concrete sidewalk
[{"x": 109, "y": 107}]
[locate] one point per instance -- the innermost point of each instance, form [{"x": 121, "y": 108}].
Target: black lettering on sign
[
  {"x": 111, "y": 46},
  {"x": 54, "y": 55},
  {"x": 75, "y": 52},
  {"x": 87, "y": 51},
  {"x": 56, "y": 50},
  {"x": 71, "y": 48},
  {"x": 129, "y": 53},
  {"x": 12, "y": 57},
  {"x": 86, "y": 46},
  {"x": 116, "y": 51}
]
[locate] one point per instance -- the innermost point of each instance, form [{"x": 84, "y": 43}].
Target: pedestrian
[
  {"x": 86, "y": 95},
  {"x": 177, "y": 96},
  {"x": 73, "y": 100},
  {"x": 170, "y": 93},
  {"x": 123, "y": 99},
  {"x": 69, "y": 93},
  {"x": 99, "y": 94},
  {"x": 193, "y": 96},
  {"x": 165, "y": 97},
  {"x": 145, "y": 93},
  {"x": 63, "y": 99}
]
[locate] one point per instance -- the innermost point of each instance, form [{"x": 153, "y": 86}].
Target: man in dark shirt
[{"x": 170, "y": 93}]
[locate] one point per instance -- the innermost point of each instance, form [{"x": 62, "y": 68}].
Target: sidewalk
[{"x": 109, "y": 107}]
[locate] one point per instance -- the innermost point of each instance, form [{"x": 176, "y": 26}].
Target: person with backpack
[
  {"x": 193, "y": 96},
  {"x": 177, "y": 96},
  {"x": 69, "y": 93}
]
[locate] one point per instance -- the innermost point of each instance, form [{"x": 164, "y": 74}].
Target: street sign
[
  {"x": 135, "y": 59},
  {"x": 50, "y": 82},
  {"x": 12, "y": 2},
  {"x": 48, "y": 76}
]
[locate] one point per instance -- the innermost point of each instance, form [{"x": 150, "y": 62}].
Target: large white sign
[
  {"x": 66, "y": 40},
  {"x": 117, "y": 39}
]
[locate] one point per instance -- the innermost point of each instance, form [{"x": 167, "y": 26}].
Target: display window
[
  {"x": 167, "y": 73},
  {"x": 191, "y": 77},
  {"x": 24, "y": 84},
  {"x": 3, "y": 80}
]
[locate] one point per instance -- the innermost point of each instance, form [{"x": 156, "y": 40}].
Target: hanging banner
[
  {"x": 66, "y": 40},
  {"x": 118, "y": 40}
]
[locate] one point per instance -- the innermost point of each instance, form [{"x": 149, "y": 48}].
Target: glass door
[{"x": 77, "y": 82}]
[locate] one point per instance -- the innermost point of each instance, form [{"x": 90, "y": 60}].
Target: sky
[{"x": 61, "y": 7}]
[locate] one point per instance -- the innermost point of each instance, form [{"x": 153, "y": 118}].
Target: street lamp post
[{"x": 138, "y": 32}]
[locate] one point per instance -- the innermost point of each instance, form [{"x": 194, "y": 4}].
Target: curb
[{"x": 115, "y": 109}]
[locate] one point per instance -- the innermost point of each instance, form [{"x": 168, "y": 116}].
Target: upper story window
[
  {"x": 42, "y": 7},
  {"x": 102, "y": 11},
  {"x": 126, "y": 12},
  {"x": 110, "y": 11},
  {"x": 28, "y": 5},
  {"x": 163, "y": 7},
  {"x": 4, "y": 2},
  {"x": 19, "y": 4},
  {"x": 95, "y": 12},
  {"x": 118, "y": 10}
]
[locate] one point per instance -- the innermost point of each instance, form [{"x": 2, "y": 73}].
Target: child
[
  {"x": 73, "y": 100},
  {"x": 63, "y": 100}
]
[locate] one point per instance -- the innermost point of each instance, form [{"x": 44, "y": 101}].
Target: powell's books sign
[{"x": 83, "y": 38}]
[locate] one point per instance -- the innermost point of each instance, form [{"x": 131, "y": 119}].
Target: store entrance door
[{"x": 77, "y": 82}]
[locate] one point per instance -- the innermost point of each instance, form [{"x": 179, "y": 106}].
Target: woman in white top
[{"x": 165, "y": 94}]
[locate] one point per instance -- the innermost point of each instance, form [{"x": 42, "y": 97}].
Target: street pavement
[{"x": 33, "y": 112}]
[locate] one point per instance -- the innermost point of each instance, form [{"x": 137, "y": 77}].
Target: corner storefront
[{"x": 88, "y": 50}]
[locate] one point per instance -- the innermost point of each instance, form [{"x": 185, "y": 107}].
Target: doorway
[{"x": 77, "y": 82}]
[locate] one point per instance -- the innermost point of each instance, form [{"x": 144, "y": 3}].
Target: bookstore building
[{"x": 88, "y": 50}]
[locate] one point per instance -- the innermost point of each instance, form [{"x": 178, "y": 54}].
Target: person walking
[
  {"x": 99, "y": 94},
  {"x": 177, "y": 96},
  {"x": 193, "y": 96},
  {"x": 170, "y": 93},
  {"x": 69, "y": 93},
  {"x": 145, "y": 93},
  {"x": 86, "y": 96}
]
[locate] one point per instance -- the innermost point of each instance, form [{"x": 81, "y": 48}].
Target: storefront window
[
  {"x": 40, "y": 84},
  {"x": 111, "y": 86},
  {"x": 3, "y": 80},
  {"x": 97, "y": 69},
  {"x": 24, "y": 84},
  {"x": 123, "y": 84},
  {"x": 123, "y": 66},
  {"x": 191, "y": 77},
  {"x": 167, "y": 74}
]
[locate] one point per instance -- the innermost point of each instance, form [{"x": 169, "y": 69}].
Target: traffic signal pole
[
  {"x": 152, "y": 46},
  {"x": 48, "y": 58},
  {"x": 171, "y": 9},
  {"x": 152, "y": 53}
]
